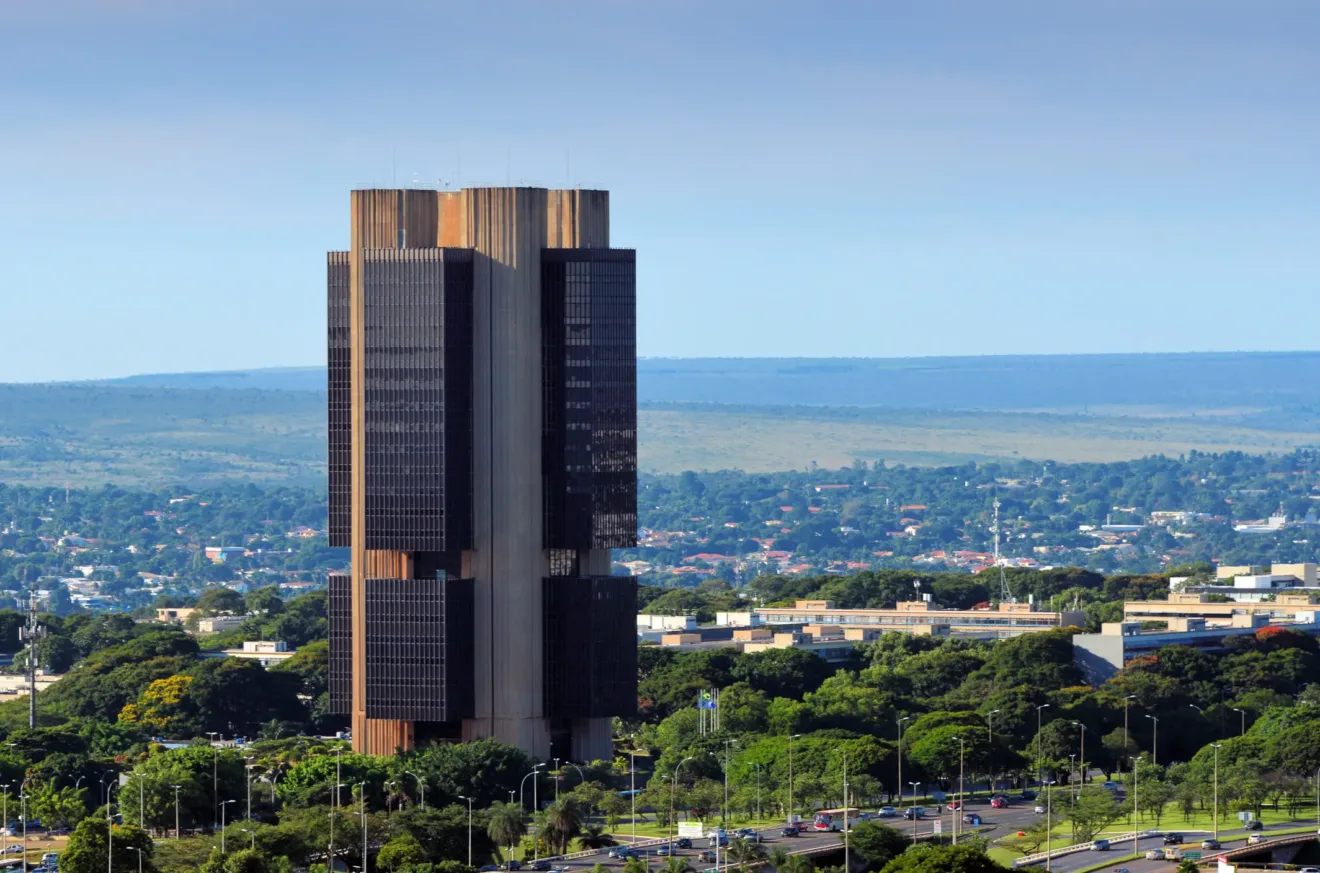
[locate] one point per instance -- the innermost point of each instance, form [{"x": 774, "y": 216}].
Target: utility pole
[
  {"x": 362, "y": 797},
  {"x": 1155, "y": 740},
  {"x": 1243, "y": 713},
  {"x": 790, "y": 777},
  {"x": 176, "y": 811},
  {"x": 962, "y": 795}
]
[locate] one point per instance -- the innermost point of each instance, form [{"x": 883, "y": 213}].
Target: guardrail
[
  {"x": 640, "y": 844},
  {"x": 1028, "y": 860}
]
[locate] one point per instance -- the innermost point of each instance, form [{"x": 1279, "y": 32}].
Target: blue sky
[{"x": 858, "y": 179}]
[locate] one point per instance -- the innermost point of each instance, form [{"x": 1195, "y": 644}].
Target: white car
[
  {"x": 888, "y": 812},
  {"x": 1040, "y": 810},
  {"x": 1154, "y": 855}
]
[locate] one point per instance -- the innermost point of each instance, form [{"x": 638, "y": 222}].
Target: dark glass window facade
[
  {"x": 339, "y": 617},
  {"x": 419, "y": 649},
  {"x": 340, "y": 396},
  {"x": 417, "y": 339},
  {"x": 590, "y": 639},
  {"x": 589, "y": 421}
]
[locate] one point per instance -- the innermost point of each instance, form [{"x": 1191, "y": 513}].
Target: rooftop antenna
[{"x": 1005, "y": 595}]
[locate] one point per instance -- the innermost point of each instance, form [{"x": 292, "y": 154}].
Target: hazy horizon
[{"x": 901, "y": 180}]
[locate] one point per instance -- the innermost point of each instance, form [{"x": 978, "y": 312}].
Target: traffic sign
[
  {"x": 1192, "y": 856},
  {"x": 939, "y": 827},
  {"x": 1244, "y": 816}
]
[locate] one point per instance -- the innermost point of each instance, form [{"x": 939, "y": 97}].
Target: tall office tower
[{"x": 483, "y": 462}]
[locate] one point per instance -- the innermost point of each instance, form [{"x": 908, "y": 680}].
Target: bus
[{"x": 833, "y": 819}]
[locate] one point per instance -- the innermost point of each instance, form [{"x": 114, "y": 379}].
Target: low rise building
[
  {"x": 1100, "y": 656},
  {"x": 666, "y": 622},
  {"x": 1282, "y": 605},
  {"x": 1007, "y": 620},
  {"x": 219, "y": 623}
]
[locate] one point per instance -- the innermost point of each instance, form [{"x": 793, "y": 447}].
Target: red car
[
  {"x": 999, "y": 803},
  {"x": 955, "y": 806}
]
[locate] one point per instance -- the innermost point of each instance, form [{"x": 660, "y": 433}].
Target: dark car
[
  {"x": 511, "y": 864},
  {"x": 1254, "y": 825},
  {"x": 623, "y": 853},
  {"x": 665, "y": 851},
  {"x": 489, "y": 868},
  {"x": 1027, "y": 795},
  {"x": 542, "y": 864},
  {"x": 1211, "y": 843},
  {"x": 684, "y": 843},
  {"x": 706, "y": 857},
  {"x": 791, "y": 831},
  {"x": 972, "y": 818},
  {"x": 1173, "y": 839}
]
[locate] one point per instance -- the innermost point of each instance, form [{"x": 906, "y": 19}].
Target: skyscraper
[{"x": 483, "y": 462}]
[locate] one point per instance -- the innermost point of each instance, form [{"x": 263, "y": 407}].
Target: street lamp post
[
  {"x": 1135, "y": 834},
  {"x": 421, "y": 786},
  {"x": 1155, "y": 740},
  {"x": 914, "y": 812},
  {"x": 139, "y": 854},
  {"x": 1216, "y": 808},
  {"x": 1039, "y": 710},
  {"x": 176, "y": 811},
  {"x": 791, "y": 737},
  {"x": 362, "y": 805},
  {"x": 330, "y": 868},
  {"x": 222, "y": 824},
  {"x": 1125, "y": 721},
  {"x": 632, "y": 789},
  {"x": 900, "y": 758},
  {"x": 109, "y": 831},
  {"x": 1081, "y": 754},
  {"x": 23, "y": 800},
  {"x": 1243, "y": 713},
  {"x": 469, "y": 803},
  {"x": 990, "y": 725},
  {"x": 724, "y": 814},
  {"x": 1049, "y": 812},
  {"x": 5, "y": 813},
  {"x": 962, "y": 793},
  {"x": 673, "y": 789}
]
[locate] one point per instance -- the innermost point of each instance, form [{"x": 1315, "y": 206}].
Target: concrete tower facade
[{"x": 482, "y": 465}]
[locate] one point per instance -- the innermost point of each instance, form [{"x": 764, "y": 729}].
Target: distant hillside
[
  {"x": 751, "y": 414},
  {"x": 1235, "y": 381}
]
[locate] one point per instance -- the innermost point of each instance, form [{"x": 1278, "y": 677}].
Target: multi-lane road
[{"x": 995, "y": 824}]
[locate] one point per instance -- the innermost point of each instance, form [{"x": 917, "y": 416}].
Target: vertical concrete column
[{"x": 507, "y": 228}]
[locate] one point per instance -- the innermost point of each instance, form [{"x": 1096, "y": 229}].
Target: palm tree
[
  {"x": 563, "y": 822},
  {"x": 778, "y": 856},
  {"x": 797, "y": 864},
  {"x": 593, "y": 836},
  {"x": 744, "y": 852},
  {"x": 678, "y": 865},
  {"x": 507, "y": 825}
]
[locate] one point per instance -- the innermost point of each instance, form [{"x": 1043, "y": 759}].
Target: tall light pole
[
  {"x": 522, "y": 786},
  {"x": 1072, "y": 765},
  {"x": 215, "y": 771},
  {"x": 362, "y": 805},
  {"x": 962, "y": 794},
  {"x": 421, "y": 786},
  {"x": 109, "y": 831},
  {"x": 5, "y": 813},
  {"x": 724, "y": 814},
  {"x": 1155, "y": 740},
  {"x": 990, "y": 725},
  {"x": 1243, "y": 713},
  {"x": 1317, "y": 800},
  {"x": 1049, "y": 814},
  {"x": 1216, "y": 747},
  {"x": 469, "y": 803},
  {"x": 139, "y": 854},
  {"x": 632, "y": 789},
  {"x": 1039, "y": 710},
  {"x": 844, "y": 753},
  {"x": 900, "y": 759},
  {"x": 914, "y": 811},
  {"x": 990, "y": 748},
  {"x": 249, "y": 791},
  {"x": 1081, "y": 754},
  {"x": 23, "y": 800},
  {"x": 1136, "y": 837},
  {"x": 331, "y": 866},
  {"x": 1130, "y": 697},
  {"x": 176, "y": 811},
  {"x": 673, "y": 789},
  {"x": 791, "y": 737},
  {"x": 222, "y": 824},
  {"x": 535, "y": 777}
]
